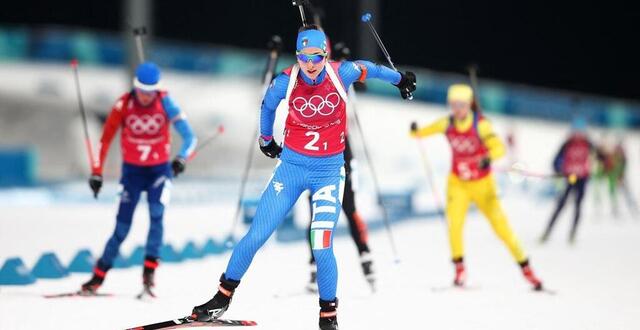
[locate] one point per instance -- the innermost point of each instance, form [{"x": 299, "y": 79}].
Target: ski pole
[
  {"x": 87, "y": 139},
  {"x": 343, "y": 54},
  {"x": 300, "y": 4},
  {"x": 519, "y": 169},
  {"x": 432, "y": 184},
  {"x": 207, "y": 141},
  {"x": 473, "y": 78},
  {"x": 376, "y": 185},
  {"x": 366, "y": 18},
  {"x": 138, "y": 33},
  {"x": 275, "y": 44}
]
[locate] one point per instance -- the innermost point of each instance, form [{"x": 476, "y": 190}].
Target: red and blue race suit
[
  {"x": 145, "y": 143},
  {"x": 573, "y": 158}
]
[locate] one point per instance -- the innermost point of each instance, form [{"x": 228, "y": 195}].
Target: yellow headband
[{"x": 460, "y": 92}]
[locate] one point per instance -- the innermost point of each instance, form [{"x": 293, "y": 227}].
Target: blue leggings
[
  {"x": 295, "y": 173},
  {"x": 156, "y": 181}
]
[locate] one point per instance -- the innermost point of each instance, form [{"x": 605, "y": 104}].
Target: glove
[
  {"x": 413, "y": 130},
  {"x": 271, "y": 149},
  {"x": 95, "y": 182},
  {"x": 484, "y": 163},
  {"x": 414, "y": 127},
  {"x": 360, "y": 86},
  {"x": 407, "y": 84},
  {"x": 178, "y": 164}
]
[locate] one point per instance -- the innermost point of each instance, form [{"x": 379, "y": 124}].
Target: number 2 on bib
[
  {"x": 312, "y": 144},
  {"x": 315, "y": 137}
]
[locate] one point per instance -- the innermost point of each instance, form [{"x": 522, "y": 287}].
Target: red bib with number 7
[
  {"x": 145, "y": 138},
  {"x": 316, "y": 123}
]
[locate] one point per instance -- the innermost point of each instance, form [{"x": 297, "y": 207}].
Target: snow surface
[{"x": 596, "y": 279}]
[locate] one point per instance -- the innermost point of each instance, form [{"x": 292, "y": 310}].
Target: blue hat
[
  {"x": 147, "y": 77},
  {"x": 311, "y": 38},
  {"x": 579, "y": 124}
]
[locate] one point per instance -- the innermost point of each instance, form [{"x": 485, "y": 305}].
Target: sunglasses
[{"x": 313, "y": 58}]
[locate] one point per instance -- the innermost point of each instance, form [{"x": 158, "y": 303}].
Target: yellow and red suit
[{"x": 472, "y": 139}]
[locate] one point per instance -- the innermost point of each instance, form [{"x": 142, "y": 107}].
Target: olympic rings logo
[
  {"x": 145, "y": 124},
  {"x": 316, "y": 104},
  {"x": 464, "y": 145}
]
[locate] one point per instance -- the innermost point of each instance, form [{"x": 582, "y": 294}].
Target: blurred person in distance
[
  {"x": 474, "y": 147},
  {"x": 573, "y": 163},
  {"x": 144, "y": 115}
]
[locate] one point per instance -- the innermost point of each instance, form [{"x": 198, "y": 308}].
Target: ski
[
  {"x": 546, "y": 291},
  {"x": 438, "y": 289},
  {"x": 188, "y": 322},
  {"x": 146, "y": 294},
  {"x": 372, "y": 284},
  {"x": 76, "y": 294},
  {"x": 445, "y": 288}
]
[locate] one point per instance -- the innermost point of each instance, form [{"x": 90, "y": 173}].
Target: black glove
[
  {"x": 271, "y": 149},
  {"x": 414, "y": 127},
  {"x": 407, "y": 84},
  {"x": 360, "y": 86},
  {"x": 484, "y": 163},
  {"x": 95, "y": 182},
  {"x": 178, "y": 165}
]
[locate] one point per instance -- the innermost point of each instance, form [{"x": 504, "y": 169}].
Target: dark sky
[{"x": 563, "y": 44}]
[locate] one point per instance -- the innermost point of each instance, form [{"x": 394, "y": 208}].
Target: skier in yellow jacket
[{"x": 474, "y": 146}]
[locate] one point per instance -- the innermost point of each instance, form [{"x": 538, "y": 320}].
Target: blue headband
[{"x": 311, "y": 38}]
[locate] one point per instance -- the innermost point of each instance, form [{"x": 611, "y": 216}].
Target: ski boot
[
  {"x": 312, "y": 286},
  {"x": 90, "y": 287},
  {"x": 148, "y": 275},
  {"x": 219, "y": 304},
  {"x": 328, "y": 315},
  {"x": 530, "y": 276},
  {"x": 461, "y": 274},
  {"x": 367, "y": 269}
]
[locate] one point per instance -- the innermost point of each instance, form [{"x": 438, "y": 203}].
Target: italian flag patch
[{"x": 320, "y": 239}]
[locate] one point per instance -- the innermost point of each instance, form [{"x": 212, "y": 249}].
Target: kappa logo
[
  {"x": 278, "y": 187},
  {"x": 145, "y": 124},
  {"x": 316, "y": 104}
]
